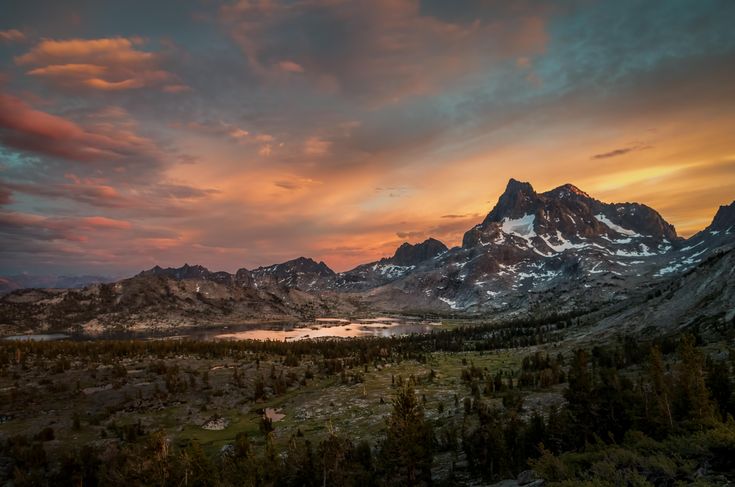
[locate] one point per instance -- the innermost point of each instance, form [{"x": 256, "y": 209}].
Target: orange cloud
[
  {"x": 291, "y": 67},
  {"x": 315, "y": 146},
  {"x": 109, "y": 64},
  {"x": 68, "y": 70},
  {"x": 101, "y": 222},
  {"x": 103, "y": 51},
  {"x": 101, "y": 84}
]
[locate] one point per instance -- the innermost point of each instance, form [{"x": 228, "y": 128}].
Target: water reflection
[
  {"x": 320, "y": 328},
  {"x": 38, "y": 338},
  {"x": 334, "y": 328}
]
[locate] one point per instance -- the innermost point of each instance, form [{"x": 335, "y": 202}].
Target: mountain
[
  {"x": 724, "y": 219},
  {"x": 703, "y": 295},
  {"x": 188, "y": 272},
  {"x": 566, "y": 218},
  {"x": 559, "y": 248},
  {"x": 717, "y": 237},
  {"x": 302, "y": 273},
  {"x": 22, "y": 281},
  {"x": 163, "y": 300},
  {"x": 534, "y": 253},
  {"x": 406, "y": 258},
  {"x": 411, "y": 255}
]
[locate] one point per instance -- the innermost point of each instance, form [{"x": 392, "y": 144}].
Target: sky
[{"x": 243, "y": 133}]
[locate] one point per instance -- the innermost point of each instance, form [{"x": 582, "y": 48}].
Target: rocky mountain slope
[
  {"x": 302, "y": 273},
  {"x": 703, "y": 295},
  {"x": 561, "y": 246},
  {"x": 163, "y": 300},
  {"x": 406, "y": 259}
]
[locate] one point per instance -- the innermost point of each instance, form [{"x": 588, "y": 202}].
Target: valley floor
[{"x": 63, "y": 397}]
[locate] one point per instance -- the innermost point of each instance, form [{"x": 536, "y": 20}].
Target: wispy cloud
[
  {"x": 12, "y": 35},
  {"x": 621, "y": 151}
]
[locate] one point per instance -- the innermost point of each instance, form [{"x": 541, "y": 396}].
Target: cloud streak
[
  {"x": 12, "y": 35},
  {"x": 620, "y": 152}
]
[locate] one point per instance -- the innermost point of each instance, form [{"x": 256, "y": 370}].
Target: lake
[
  {"x": 320, "y": 328},
  {"x": 333, "y": 328},
  {"x": 38, "y": 338}
]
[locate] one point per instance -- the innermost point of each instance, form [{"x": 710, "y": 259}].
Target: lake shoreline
[{"x": 282, "y": 330}]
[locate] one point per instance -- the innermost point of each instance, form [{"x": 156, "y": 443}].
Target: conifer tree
[
  {"x": 661, "y": 406},
  {"x": 407, "y": 451},
  {"x": 692, "y": 397},
  {"x": 579, "y": 397}
]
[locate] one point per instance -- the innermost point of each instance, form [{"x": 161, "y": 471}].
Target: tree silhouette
[{"x": 406, "y": 454}]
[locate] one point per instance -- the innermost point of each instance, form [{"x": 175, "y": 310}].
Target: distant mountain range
[
  {"x": 560, "y": 250},
  {"x": 22, "y": 281}
]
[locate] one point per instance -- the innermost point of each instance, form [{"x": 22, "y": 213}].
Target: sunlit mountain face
[{"x": 241, "y": 134}]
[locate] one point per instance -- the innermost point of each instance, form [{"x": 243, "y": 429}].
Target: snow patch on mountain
[
  {"x": 520, "y": 227},
  {"x": 452, "y": 303},
  {"x": 563, "y": 244},
  {"x": 643, "y": 251},
  {"x": 391, "y": 271},
  {"x": 623, "y": 231}
]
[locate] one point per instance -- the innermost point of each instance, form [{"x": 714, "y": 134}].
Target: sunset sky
[{"x": 243, "y": 133}]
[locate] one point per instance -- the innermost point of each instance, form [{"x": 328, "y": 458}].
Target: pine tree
[
  {"x": 692, "y": 397},
  {"x": 579, "y": 397},
  {"x": 407, "y": 452},
  {"x": 720, "y": 385},
  {"x": 661, "y": 405},
  {"x": 195, "y": 467}
]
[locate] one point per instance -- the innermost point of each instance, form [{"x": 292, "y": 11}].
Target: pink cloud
[
  {"x": 101, "y": 222},
  {"x": 33, "y": 130},
  {"x": 54, "y": 228},
  {"x": 68, "y": 69},
  {"x": 12, "y": 35},
  {"x": 291, "y": 67}
]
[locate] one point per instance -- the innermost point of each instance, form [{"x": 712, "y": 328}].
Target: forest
[{"x": 634, "y": 412}]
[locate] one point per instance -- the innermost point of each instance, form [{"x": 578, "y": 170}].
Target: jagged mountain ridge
[
  {"x": 561, "y": 249},
  {"x": 187, "y": 272},
  {"x": 302, "y": 273},
  {"x": 164, "y": 300},
  {"x": 567, "y": 217},
  {"x": 374, "y": 274},
  {"x": 561, "y": 243},
  {"x": 408, "y": 255},
  {"x": 724, "y": 219}
]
